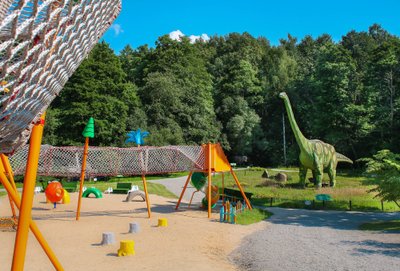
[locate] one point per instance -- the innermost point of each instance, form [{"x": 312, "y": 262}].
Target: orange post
[
  {"x": 14, "y": 214},
  {"x": 83, "y": 169},
  {"x": 21, "y": 239},
  {"x": 183, "y": 190},
  {"x": 8, "y": 170},
  {"x": 241, "y": 190},
  {"x": 147, "y": 195},
  {"x": 35, "y": 230},
  {"x": 209, "y": 179}
]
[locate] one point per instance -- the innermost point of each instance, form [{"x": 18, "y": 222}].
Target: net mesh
[
  {"x": 110, "y": 161},
  {"x": 41, "y": 45}
]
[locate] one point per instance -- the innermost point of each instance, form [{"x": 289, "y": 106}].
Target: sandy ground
[{"x": 190, "y": 242}]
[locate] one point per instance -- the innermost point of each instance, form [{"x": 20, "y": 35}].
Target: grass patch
[
  {"x": 3, "y": 194},
  {"x": 350, "y": 186},
  {"x": 152, "y": 188},
  {"x": 392, "y": 225},
  {"x": 252, "y": 216}
]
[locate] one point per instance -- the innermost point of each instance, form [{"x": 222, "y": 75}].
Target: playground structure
[
  {"x": 42, "y": 44},
  {"x": 229, "y": 210},
  {"x": 142, "y": 161}
]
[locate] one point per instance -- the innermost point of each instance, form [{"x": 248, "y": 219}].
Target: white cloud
[
  {"x": 194, "y": 38},
  {"x": 177, "y": 34},
  {"x": 117, "y": 29}
]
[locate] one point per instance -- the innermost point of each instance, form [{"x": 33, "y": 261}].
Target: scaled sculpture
[{"x": 315, "y": 154}]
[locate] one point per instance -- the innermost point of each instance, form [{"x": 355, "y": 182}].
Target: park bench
[
  {"x": 235, "y": 194},
  {"x": 122, "y": 188}
]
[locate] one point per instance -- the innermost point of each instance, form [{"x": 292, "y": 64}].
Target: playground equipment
[
  {"x": 42, "y": 44},
  {"x": 92, "y": 190},
  {"x": 134, "y": 227},
  {"x": 110, "y": 161},
  {"x": 135, "y": 193},
  {"x": 162, "y": 222},
  {"x": 127, "y": 247},
  {"x": 137, "y": 137},
  {"x": 65, "y": 199},
  {"x": 198, "y": 180},
  {"x": 315, "y": 155},
  {"x": 229, "y": 210},
  {"x": 214, "y": 197},
  {"x": 54, "y": 192},
  {"x": 108, "y": 238}
]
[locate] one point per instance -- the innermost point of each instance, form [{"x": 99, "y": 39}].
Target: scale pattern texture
[
  {"x": 41, "y": 45},
  {"x": 111, "y": 161}
]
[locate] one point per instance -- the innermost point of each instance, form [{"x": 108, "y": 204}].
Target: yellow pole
[
  {"x": 83, "y": 169},
  {"x": 21, "y": 239},
  {"x": 209, "y": 179},
  {"x": 147, "y": 195},
  {"x": 35, "y": 230},
  {"x": 183, "y": 190},
  {"x": 223, "y": 185},
  {"x": 241, "y": 189}
]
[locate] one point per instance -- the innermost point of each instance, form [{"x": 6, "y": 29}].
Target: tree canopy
[{"x": 226, "y": 90}]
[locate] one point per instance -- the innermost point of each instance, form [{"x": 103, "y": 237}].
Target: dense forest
[{"x": 226, "y": 90}]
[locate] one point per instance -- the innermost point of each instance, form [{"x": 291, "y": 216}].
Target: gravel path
[
  {"x": 319, "y": 240},
  {"x": 175, "y": 185}
]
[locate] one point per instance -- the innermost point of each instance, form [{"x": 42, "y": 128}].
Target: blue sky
[{"x": 143, "y": 21}]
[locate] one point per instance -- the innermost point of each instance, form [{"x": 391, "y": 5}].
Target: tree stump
[
  {"x": 162, "y": 222},
  {"x": 108, "y": 238},
  {"x": 127, "y": 247},
  {"x": 134, "y": 227}
]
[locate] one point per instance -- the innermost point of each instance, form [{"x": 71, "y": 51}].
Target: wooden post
[
  {"x": 382, "y": 205},
  {"x": 183, "y": 190},
  {"x": 350, "y": 205},
  {"x": 146, "y": 194},
  {"x": 82, "y": 179},
  {"x": 270, "y": 202}
]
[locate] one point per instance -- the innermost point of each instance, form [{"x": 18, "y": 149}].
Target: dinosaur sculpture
[{"x": 315, "y": 155}]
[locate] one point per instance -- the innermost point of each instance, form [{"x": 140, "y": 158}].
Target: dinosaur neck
[{"x": 301, "y": 140}]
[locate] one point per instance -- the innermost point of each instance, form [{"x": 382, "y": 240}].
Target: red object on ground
[{"x": 54, "y": 192}]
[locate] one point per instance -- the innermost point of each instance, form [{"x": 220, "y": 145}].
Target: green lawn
[
  {"x": 350, "y": 186},
  {"x": 392, "y": 225},
  {"x": 252, "y": 216}
]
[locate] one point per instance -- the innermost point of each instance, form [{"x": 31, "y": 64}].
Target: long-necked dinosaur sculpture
[{"x": 315, "y": 155}]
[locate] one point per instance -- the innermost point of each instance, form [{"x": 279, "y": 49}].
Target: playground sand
[{"x": 190, "y": 242}]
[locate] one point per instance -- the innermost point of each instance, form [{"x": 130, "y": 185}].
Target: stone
[
  {"x": 265, "y": 174},
  {"x": 281, "y": 177}
]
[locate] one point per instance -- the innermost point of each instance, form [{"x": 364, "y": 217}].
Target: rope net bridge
[
  {"x": 41, "y": 44},
  {"x": 110, "y": 161}
]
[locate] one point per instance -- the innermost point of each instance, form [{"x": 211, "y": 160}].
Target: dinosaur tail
[{"x": 341, "y": 158}]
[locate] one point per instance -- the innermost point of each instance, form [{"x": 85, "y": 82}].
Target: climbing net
[
  {"x": 42, "y": 42},
  {"x": 110, "y": 161}
]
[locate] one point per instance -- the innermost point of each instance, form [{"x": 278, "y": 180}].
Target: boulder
[
  {"x": 265, "y": 174},
  {"x": 281, "y": 177}
]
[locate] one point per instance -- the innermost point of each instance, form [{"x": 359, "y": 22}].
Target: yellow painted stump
[
  {"x": 162, "y": 222},
  {"x": 127, "y": 247}
]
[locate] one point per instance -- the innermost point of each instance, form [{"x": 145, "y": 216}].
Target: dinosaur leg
[
  {"x": 332, "y": 175},
  {"x": 302, "y": 175},
  {"x": 319, "y": 172}
]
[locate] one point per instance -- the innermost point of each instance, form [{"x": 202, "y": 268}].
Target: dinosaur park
[{"x": 219, "y": 135}]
